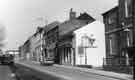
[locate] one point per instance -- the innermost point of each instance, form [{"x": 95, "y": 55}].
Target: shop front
[{"x": 66, "y": 53}]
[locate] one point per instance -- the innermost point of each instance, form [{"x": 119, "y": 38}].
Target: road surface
[
  {"x": 76, "y": 74},
  {"x": 6, "y": 73},
  {"x": 71, "y": 73}
]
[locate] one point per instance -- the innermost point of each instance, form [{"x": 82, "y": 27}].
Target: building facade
[
  {"x": 66, "y": 51},
  {"x": 36, "y": 47},
  {"x": 90, "y": 44},
  {"x": 126, "y": 21},
  {"x": 51, "y": 40},
  {"x": 39, "y": 43},
  {"x": 119, "y": 25},
  {"x": 112, "y": 34},
  {"x": 25, "y": 50},
  {"x": 32, "y": 47}
]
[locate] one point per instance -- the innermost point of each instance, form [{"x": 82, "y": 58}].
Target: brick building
[
  {"x": 119, "y": 34},
  {"x": 51, "y": 39},
  {"x": 112, "y": 34},
  {"x": 25, "y": 50},
  {"x": 36, "y": 45}
]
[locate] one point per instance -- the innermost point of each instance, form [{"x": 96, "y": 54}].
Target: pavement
[
  {"x": 100, "y": 72},
  {"x": 112, "y": 75}
]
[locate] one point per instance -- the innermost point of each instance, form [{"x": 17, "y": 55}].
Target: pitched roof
[
  {"x": 51, "y": 26},
  {"x": 111, "y": 10},
  {"x": 71, "y": 25},
  {"x": 85, "y": 16}
]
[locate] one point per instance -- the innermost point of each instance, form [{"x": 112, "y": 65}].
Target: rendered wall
[{"x": 95, "y": 52}]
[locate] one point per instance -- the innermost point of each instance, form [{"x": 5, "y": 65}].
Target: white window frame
[
  {"x": 110, "y": 42},
  {"x": 126, "y": 9}
]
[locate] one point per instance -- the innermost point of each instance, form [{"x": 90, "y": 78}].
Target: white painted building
[{"x": 89, "y": 44}]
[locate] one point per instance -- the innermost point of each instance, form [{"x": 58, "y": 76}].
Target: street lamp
[{"x": 128, "y": 44}]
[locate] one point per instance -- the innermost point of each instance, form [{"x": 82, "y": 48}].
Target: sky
[{"x": 20, "y": 18}]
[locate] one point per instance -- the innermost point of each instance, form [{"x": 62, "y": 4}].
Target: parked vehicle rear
[{"x": 6, "y": 59}]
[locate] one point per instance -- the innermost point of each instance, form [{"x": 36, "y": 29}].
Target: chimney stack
[{"x": 72, "y": 14}]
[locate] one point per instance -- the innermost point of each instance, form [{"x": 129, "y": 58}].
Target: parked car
[
  {"x": 1, "y": 59},
  {"x": 6, "y": 59}
]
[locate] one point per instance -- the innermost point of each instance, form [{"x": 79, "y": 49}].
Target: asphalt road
[
  {"x": 71, "y": 73},
  {"x": 10, "y": 72},
  {"x": 76, "y": 74},
  {"x": 6, "y": 73}
]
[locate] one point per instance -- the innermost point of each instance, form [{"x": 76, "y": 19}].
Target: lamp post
[
  {"x": 131, "y": 48},
  {"x": 128, "y": 44}
]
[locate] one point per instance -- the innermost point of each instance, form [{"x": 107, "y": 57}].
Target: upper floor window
[
  {"x": 128, "y": 8},
  {"x": 110, "y": 42},
  {"x": 113, "y": 44},
  {"x": 111, "y": 20}
]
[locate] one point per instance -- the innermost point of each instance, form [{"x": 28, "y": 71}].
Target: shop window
[{"x": 113, "y": 45}]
